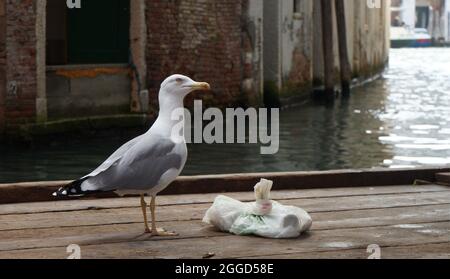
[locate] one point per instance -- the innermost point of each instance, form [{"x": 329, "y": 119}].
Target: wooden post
[
  {"x": 327, "y": 43},
  {"x": 346, "y": 72}
]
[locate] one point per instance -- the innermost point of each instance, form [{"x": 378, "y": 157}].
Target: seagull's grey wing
[
  {"x": 141, "y": 167},
  {"x": 114, "y": 157}
]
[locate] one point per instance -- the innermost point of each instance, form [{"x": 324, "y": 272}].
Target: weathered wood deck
[{"x": 405, "y": 221}]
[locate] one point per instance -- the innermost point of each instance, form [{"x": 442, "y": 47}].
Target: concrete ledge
[
  {"x": 38, "y": 131},
  {"x": 443, "y": 178},
  {"x": 74, "y": 67},
  {"x": 41, "y": 191}
]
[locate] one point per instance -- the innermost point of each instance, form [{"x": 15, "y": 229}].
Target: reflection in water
[
  {"x": 398, "y": 121},
  {"x": 417, "y": 108}
]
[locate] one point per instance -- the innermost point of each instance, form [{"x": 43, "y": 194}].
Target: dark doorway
[
  {"x": 98, "y": 32},
  {"x": 423, "y": 17}
]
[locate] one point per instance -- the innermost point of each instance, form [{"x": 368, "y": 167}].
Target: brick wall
[
  {"x": 201, "y": 39},
  {"x": 2, "y": 64},
  {"x": 20, "y": 99}
]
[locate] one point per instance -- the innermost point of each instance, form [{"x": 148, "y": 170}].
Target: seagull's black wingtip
[{"x": 72, "y": 189}]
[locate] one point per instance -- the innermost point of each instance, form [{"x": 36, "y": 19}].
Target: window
[
  {"x": 297, "y": 6},
  {"x": 98, "y": 32},
  {"x": 422, "y": 17}
]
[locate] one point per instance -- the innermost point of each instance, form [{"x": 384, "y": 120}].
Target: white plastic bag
[{"x": 264, "y": 217}]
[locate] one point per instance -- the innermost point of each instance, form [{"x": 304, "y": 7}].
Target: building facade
[
  {"x": 433, "y": 15},
  {"x": 108, "y": 57}
]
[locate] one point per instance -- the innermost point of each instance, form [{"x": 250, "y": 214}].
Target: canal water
[{"x": 399, "y": 121}]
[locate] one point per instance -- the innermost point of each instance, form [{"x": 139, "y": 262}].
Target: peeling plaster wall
[
  {"x": 252, "y": 43},
  {"x": 296, "y": 46},
  {"x": 368, "y": 39},
  {"x": 87, "y": 90},
  {"x": 299, "y": 64}
]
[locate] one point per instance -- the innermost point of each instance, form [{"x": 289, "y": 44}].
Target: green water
[{"x": 401, "y": 120}]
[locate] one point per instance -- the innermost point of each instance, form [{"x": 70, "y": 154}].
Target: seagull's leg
[
  {"x": 144, "y": 212},
  {"x": 155, "y": 231}
]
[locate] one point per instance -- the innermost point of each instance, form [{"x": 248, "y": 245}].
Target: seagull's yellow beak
[{"x": 200, "y": 86}]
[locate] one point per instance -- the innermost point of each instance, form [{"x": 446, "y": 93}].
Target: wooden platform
[{"x": 405, "y": 221}]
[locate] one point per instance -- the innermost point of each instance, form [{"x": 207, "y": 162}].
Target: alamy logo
[
  {"x": 374, "y": 252},
  {"x": 374, "y": 4},
  {"x": 74, "y": 252},
  {"x": 72, "y": 4},
  {"x": 240, "y": 126}
]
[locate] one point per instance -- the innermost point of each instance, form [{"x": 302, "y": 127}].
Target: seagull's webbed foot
[
  {"x": 163, "y": 232},
  {"x": 160, "y": 232}
]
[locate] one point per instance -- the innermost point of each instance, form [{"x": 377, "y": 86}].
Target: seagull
[{"x": 146, "y": 165}]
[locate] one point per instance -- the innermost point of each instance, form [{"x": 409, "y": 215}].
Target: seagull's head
[{"x": 180, "y": 85}]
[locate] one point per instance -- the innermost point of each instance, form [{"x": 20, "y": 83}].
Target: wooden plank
[
  {"x": 98, "y": 217},
  {"x": 424, "y": 251},
  {"x": 75, "y": 205},
  {"x": 401, "y": 216},
  {"x": 243, "y": 247},
  {"x": 107, "y": 234},
  {"x": 63, "y": 236},
  {"x": 196, "y": 211},
  {"x": 34, "y": 192}
]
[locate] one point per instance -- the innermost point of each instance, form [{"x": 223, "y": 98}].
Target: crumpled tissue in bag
[{"x": 265, "y": 218}]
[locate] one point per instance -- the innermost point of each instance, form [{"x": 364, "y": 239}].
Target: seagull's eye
[{"x": 179, "y": 80}]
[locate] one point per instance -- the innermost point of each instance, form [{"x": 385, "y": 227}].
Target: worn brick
[
  {"x": 20, "y": 60},
  {"x": 2, "y": 8},
  {"x": 201, "y": 39}
]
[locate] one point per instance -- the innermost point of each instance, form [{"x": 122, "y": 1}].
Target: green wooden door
[{"x": 98, "y": 32}]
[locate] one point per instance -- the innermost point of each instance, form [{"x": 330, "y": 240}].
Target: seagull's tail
[{"x": 73, "y": 190}]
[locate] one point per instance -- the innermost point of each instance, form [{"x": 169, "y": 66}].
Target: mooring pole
[
  {"x": 327, "y": 42},
  {"x": 345, "y": 68}
]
